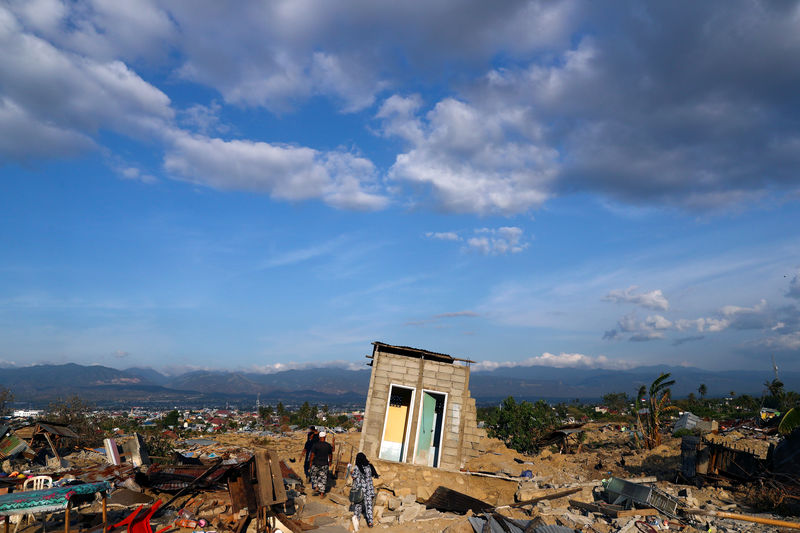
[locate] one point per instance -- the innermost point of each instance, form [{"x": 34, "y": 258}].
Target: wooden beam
[
  {"x": 66, "y": 516},
  {"x": 105, "y": 510},
  {"x": 551, "y": 496},
  {"x": 50, "y": 442}
]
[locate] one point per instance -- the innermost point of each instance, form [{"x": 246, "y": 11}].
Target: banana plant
[{"x": 657, "y": 405}]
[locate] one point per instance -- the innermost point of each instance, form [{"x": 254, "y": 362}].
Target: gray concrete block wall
[{"x": 460, "y": 424}]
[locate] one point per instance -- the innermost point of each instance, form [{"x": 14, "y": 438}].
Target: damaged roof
[{"x": 418, "y": 353}]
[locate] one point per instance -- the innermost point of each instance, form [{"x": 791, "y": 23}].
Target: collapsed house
[{"x": 419, "y": 408}]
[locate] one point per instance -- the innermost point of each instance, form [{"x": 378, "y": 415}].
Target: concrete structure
[{"x": 419, "y": 409}]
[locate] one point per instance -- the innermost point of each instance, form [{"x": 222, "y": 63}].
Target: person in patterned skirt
[
  {"x": 320, "y": 458},
  {"x": 362, "y": 479}
]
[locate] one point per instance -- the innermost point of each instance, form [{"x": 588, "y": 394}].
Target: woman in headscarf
[{"x": 362, "y": 473}]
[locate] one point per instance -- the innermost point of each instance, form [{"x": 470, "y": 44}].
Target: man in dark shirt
[
  {"x": 320, "y": 458},
  {"x": 311, "y": 439}
]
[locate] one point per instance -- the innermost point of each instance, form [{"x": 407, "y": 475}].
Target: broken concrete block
[
  {"x": 410, "y": 513},
  {"x": 394, "y": 503},
  {"x": 55, "y": 463},
  {"x": 409, "y": 499},
  {"x": 381, "y": 499}
]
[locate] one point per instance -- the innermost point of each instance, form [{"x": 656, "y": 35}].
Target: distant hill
[{"x": 103, "y": 385}]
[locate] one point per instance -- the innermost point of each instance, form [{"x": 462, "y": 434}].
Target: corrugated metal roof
[{"x": 418, "y": 352}]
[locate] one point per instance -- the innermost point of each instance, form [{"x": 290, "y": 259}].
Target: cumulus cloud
[
  {"x": 277, "y": 55},
  {"x": 652, "y": 300},
  {"x": 474, "y": 160},
  {"x": 64, "y": 97},
  {"x": 794, "y": 288},
  {"x": 778, "y": 327},
  {"x": 606, "y": 113},
  {"x": 285, "y": 172},
  {"x": 500, "y": 241},
  {"x": 562, "y": 360},
  {"x": 487, "y": 241}
]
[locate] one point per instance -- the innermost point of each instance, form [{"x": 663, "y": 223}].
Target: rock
[
  {"x": 577, "y": 519},
  {"x": 409, "y": 499},
  {"x": 429, "y": 514},
  {"x": 381, "y": 499},
  {"x": 338, "y": 499},
  {"x": 394, "y": 503},
  {"x": 410, "y": 513},
  {"x": 528, "y": 492},
  {"x": 403, "y": 491},
  {"x": 377, "y": 513},
  {"x": 462, "y": 526},
  {"x": 387, "y": 519},
  {"x": 424, "y": 492},
  {"x": 601, "y": 527},
  {"x": 55, "y": 463}
]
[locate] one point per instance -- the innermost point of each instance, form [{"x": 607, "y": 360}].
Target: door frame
[
  {"x": 404, "y": 444},
  {"x": 419, "y": 423}
]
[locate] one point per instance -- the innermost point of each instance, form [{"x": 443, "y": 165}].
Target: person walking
[
  {"x": 311, "y": 439},
  {"x": 320, "y": 459},
  {"x": 363, "y": 487}
]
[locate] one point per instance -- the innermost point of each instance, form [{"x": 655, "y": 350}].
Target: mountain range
[{"x": 40, "y": 384}]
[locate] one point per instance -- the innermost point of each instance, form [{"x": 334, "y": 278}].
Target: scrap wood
[
  {"x": 194, "y": 483},
  {"x": 744, "y": 518},
  {"x": 614, "y": 511},
  {"x": 551, "y": 496},
  {"x": 295, "y": 526}
]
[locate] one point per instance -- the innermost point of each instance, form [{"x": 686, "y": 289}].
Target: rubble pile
[{"x": 244, "y": 483}]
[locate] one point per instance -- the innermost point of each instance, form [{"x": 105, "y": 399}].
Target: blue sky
[{"x": 275, "y": 185}]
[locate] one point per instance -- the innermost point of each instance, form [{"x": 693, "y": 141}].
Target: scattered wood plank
[
  {"x": 551, "y": 496},
  {"x": 277, "y": 479}
]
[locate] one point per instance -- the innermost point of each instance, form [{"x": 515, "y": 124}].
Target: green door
[{"x": 426, "y": 428}]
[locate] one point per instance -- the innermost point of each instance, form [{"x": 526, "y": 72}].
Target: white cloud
[
  {"x": 457, "y": 314},
  {"x": 562, "y": 360},
  {"x": 500, "y": 241},
  {"x": 283, "y": 367},
  {"x": 285, "y": 172},
  {"x": 794, "y": 287},
  {"x": 652, "y": 300},
  {"x": 135, "y": 174},
  {"x": 443, "y": 235},
  {"x": 467, "y": 157},
  {"x": 65, "y": 97}
]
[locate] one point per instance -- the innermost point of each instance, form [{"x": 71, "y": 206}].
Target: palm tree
[{"x": 702, "y": 389}]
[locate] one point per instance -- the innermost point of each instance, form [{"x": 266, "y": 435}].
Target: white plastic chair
[
  {"x": 37, "y": 483},
  {"x": 34, "y": 483}
]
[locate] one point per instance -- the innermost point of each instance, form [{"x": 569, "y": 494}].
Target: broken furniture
[
  {"x": 46, "y": 432},
  {"x": 626, "y": 493},
  {"x": 140, "y": 523},
  {"x": 50, "y": 500},
  {"x": 34, "y": 483}
]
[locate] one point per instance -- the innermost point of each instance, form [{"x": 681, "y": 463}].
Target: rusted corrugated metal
[{"x": 449, "y": 500}]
